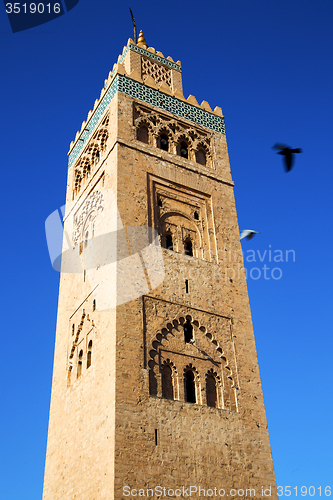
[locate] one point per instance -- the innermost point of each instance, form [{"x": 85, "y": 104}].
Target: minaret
[{"x": 156, "y": 380}]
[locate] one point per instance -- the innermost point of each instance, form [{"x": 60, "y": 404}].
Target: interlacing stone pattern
[{"x": 157, "y": 72}]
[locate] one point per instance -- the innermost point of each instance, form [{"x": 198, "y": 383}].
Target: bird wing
[
  {"x": 247, "y": 233},
  {"x": 280, "y": 146}
]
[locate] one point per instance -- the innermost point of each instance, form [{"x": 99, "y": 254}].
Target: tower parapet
[{"x": 145, "y": 74}]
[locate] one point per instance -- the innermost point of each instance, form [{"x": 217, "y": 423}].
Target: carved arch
[
  {"x": 201, "y": 149},
  {"x": 141, "y": 123},
  {"x": 175, "y": 378},
  {"x": 163, "y": 222},
  {"x": 102, "y": 138},
  {"x": 164, "y": 130},
  {"x": 212, "y": 374},
  {"x": 227, "y": 393},
  {"x": 77, "y": 181}
]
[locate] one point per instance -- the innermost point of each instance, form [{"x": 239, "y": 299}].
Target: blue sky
[{"x": 269, "y": 66}]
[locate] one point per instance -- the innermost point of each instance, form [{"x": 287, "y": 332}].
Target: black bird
[{"x": 288, "y": 154}]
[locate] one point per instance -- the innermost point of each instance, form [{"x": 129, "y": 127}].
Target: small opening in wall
[
  {"x": 89, "y": 354},
  {"x": 94, "y": 305},
  {"x": 86, "y": 237},
  {"x": 160, "y": 204},
  {"x": 156, "y": 442},
  {"x": 73, "y": 329},
  {"x": 79, "y": 365},
  {"x": 190, "y": 387},
  {"x": 196, "y": 215},
  {"x": 200, "y": 157},
  {"x": 167, "y": 386},
  {"x": 168, "y": 241},
  {"x": 84, "y": 275},
  {"x": 211, "y": 391},
  {"x": 184, "y": 149},
  {"x": 164, "y": 142},
  {"x": 143, "y": 134},
  {"x": 186, "y": 285},
  {"x": 188, "y": 247},
  {"x": 188, "y": 332}
]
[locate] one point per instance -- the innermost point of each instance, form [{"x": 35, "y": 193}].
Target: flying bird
[
  {"x": 288, "y": 154},
  {"x": 247, "y": 233}
]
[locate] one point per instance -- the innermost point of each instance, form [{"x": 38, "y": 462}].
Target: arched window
[
  {"x": 102, "y": 137},
  {"x": 211, "y": 391},
  {"x": 163, "y": 142},
  {"x": 168, "y": 241},
  {"x": 183, "y": 149},
  {"x": 79, "y": 364},
  {"x": 77, "y": 181},
  {"x": 188, "y": 332},
  {"x": 89, "y": 354},
  {"x": 86, "y": 237},
  {"x": 189, "y": 387},
  {"x": 167, "y": 385},
  {"x": 86, "y": 167},
  {"x": 200, "y": 157},
  {"x": 95, "y": 155},
  {"x": 143, "y": 134},
  {"x": 188, "y": 247}
]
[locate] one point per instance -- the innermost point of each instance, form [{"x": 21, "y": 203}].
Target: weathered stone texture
[{"x": 104, "y": 424}]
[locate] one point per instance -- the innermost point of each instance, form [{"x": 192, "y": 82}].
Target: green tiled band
[{"x": 150, "y": 96}]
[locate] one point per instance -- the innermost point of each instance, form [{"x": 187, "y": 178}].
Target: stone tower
[{"x": 160, "y": 388}]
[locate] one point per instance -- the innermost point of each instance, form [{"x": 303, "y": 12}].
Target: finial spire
[
  {"x": 134, "y": 25},
  {"x": 141, "y": 38}
]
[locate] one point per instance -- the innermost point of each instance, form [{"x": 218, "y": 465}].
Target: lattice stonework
[{"x": 156, "y": 71}]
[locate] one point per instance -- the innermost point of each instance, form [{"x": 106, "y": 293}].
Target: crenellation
[
  {"x": 192, "y": 100},
  {"x": 205, "y": 105},
  {"x": 218, "y": 111}
]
